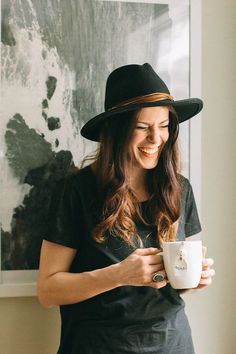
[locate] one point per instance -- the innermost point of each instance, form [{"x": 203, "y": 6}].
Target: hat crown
[{"x": 131, "y": 81}]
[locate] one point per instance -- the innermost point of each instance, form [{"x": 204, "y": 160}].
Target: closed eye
[
  {"x": 139, "y": 127},
  {"x": 147, "y": 127}
]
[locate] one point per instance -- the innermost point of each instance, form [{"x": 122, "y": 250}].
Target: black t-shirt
[{"x": 127, "y": 319}]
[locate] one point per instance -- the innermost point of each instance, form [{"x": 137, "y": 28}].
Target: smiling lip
[{"x": 149, "y": 152}]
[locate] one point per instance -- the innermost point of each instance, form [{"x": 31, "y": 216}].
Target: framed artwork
[{"x": 55, "y": 58}]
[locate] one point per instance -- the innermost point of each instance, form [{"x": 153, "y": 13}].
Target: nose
[{"x": 155, "y": 136}]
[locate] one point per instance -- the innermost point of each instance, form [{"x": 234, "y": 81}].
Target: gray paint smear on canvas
[{"x": 56, "y": 56}]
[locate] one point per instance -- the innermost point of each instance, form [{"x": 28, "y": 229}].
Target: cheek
[
  {"x": 166, "y": 136},
  {"x": 133, "y": 144},
  {"x": 136, "y": 138}
]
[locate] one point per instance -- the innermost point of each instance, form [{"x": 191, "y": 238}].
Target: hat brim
[{"x": 185, "y": 110}]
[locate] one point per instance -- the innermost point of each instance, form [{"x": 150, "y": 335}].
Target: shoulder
[
  {"x": 78, "y": 178},
  {"x": 78, "y": 173},
  {"x": 81, "y": 185},
  {"x": 186, "y": 188},
  {"x": 184, "y": 183},
  {"x": 72, "y": 185},
  {"x": 189, "y": 220}
]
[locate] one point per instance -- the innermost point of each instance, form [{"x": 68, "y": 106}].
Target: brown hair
[{"x": 121, "y": 209}]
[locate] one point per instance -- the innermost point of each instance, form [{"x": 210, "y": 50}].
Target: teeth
[{"x": 149, "y": 150}]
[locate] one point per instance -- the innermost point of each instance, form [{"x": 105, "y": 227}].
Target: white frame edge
[
  {"x": 195, "y": 153},
  {"x": 17, "y": 290}
]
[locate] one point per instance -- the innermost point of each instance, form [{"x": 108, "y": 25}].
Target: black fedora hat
[{"x": 132, "y": 87}]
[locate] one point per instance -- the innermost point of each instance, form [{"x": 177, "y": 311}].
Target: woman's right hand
[{"x": 140, "y": 266}]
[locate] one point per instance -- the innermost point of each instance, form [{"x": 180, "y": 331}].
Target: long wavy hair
[{"x": 121, "y": 209}]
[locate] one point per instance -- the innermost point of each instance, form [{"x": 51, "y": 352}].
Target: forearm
[{"x": 65, "y": 288}]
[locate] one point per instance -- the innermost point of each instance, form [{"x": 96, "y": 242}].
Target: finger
[
  {"x": 160, "y": 284},
  {"x": 160, "y": 252},
  {"x": 146, "y": 251},
  {"x": 207, "y": 263},
  {"x": 208, "y": 273},
  {"x": 163, "y": 273},
  {"x": 204, "y": 282},
  {"x": 155, "y": 259},
  {"x": 154, "y": 268}
]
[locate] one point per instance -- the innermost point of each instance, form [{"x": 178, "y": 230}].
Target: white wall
[
  {"x": 212, "y": 311},
  {"x": 26, "y": 328}
]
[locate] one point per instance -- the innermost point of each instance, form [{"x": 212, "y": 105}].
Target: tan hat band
[{"x": 153, "y": 97}]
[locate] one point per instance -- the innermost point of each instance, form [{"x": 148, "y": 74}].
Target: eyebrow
[{"x": 164, "y": 121}]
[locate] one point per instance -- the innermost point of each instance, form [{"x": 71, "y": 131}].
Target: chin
[{"x": 147, "y": 165}]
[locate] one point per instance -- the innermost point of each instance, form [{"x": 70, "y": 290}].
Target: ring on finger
[{"x": 158, "y": 277}]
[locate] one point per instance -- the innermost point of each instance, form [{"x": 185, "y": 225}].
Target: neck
[
  {"x": 137, "y": 182},
  {"x": 137, "y": 178}
]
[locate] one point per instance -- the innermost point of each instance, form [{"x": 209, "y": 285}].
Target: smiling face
[{"x": 149, "y": 137}]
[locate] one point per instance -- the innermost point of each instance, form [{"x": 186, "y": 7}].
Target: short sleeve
[
  {"x": 189, "y": 223},
  {"x": 64, "y": 215},
  {"x": 192, "y": 224}
]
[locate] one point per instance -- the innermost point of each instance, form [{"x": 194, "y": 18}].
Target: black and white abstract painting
[{"x": 55, "y": 58}]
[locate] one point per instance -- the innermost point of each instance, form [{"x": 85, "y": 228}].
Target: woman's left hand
[{"x": 207, "y": 271}]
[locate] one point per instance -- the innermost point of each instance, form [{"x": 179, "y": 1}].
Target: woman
[{"x": 99, "y": 259}]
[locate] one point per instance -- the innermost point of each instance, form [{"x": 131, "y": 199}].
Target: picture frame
[{"x": 15, "y": 283}]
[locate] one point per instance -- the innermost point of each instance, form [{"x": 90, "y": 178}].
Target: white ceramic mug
[{"x": 183, "y": 263}]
